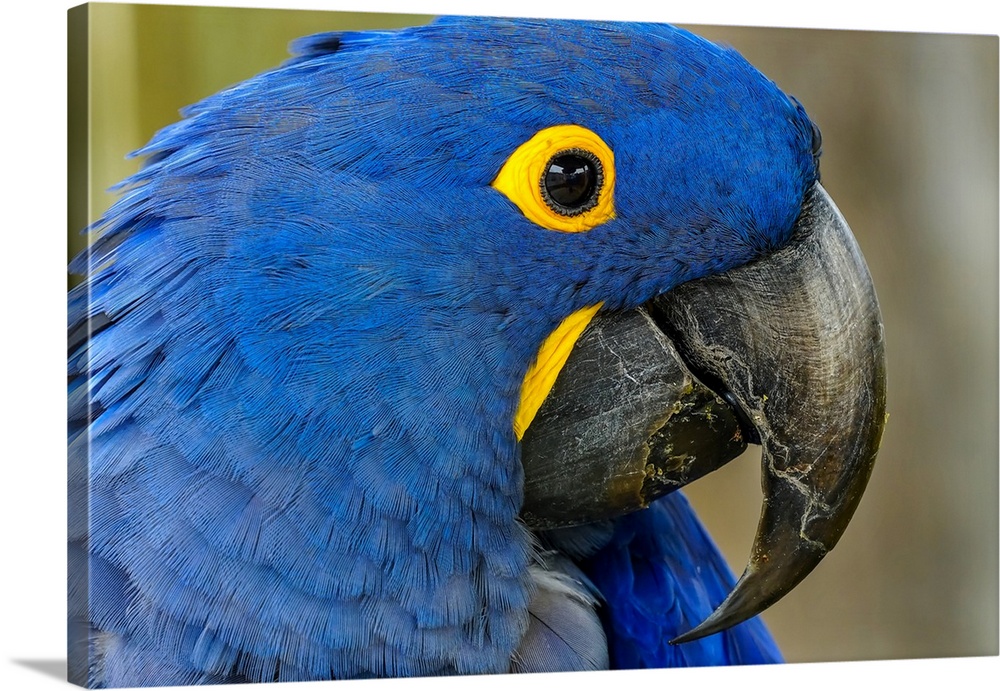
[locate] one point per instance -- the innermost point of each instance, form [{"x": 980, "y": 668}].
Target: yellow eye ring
[{"x": 565, "y": 163}]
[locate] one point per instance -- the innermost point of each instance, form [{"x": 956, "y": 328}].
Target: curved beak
[
  {"x": 786, "y": 351},
  {"x": 625, "y": 423}
]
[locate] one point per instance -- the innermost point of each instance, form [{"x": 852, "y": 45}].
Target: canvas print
[{"x": 408, "y": 352}]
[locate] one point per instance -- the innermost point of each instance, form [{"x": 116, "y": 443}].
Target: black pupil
[{"x": 571, "y": 180}]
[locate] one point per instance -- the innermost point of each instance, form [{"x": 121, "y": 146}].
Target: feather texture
[
  {"x": 295, "y": 361},
  {"x": 661, "y": 574}
]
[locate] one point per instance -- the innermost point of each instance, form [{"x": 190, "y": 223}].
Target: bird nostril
[
  {"x": 817, "y": 141},
  {"x": 817, "y": 148}
]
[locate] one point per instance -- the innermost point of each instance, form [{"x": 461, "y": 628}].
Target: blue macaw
[{"x": 327, "y": 315}]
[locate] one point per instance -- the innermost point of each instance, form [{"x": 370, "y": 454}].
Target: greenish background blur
[{"x": 910, "y": 124}]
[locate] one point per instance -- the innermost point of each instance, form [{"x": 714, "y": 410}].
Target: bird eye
[
  {"x": 572, "y": 181},
  {"x": 562, "y": 179}
]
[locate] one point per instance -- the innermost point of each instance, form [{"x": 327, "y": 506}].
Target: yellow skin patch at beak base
[{"x": 551, "y": 357}]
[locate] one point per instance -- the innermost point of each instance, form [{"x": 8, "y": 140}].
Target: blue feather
[
  {"x": 297, "y": 355},
  {"x": 661, "y": 575}
]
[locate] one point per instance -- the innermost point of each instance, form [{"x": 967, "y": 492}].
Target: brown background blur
[{"x": 910, "y": 128}]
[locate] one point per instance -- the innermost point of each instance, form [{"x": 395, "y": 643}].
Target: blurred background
[{"x": 910, "y": 131}]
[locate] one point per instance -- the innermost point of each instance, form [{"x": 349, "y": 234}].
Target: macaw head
[
  {"x": 442, "y": 211},
  {"x": 569, "y": 163}
]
